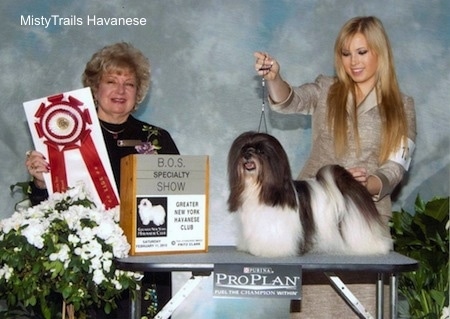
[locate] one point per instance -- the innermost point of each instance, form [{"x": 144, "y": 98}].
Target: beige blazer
[{"x": 311, "y": 99}]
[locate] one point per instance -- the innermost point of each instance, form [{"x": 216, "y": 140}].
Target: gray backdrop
[{"x": 204, "y": 89}]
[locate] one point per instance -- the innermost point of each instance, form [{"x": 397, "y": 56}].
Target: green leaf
[
  {"x": 419, "y": 205},
  {"x": 67, "y": 292},
  {"x": 438, "y": 209},
  {"x": 23, "y": 186},
  {"x": 422, "y": 236},
  {"x": 438, "y": 296}
]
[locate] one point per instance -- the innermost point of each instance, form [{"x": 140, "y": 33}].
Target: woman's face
[
  {"x": 116, "y": 95},
  {"x": 360, "y": 63}
]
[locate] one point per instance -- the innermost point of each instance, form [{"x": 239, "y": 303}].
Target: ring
[{"x": 28, "y": 154}]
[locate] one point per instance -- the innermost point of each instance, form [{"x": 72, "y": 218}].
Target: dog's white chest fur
[{"x": 269, "y": 231}]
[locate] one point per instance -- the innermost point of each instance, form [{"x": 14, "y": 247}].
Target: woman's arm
[{"x": 269, "y": 68}]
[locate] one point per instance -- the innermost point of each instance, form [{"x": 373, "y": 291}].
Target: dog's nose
[{"x": 248, "y": 153}]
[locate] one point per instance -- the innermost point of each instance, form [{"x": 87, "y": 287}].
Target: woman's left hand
[
  {"x": 360, "y": 174},
  {"x": 37, "y": 165},
  {"x": 371, "y": 182}
]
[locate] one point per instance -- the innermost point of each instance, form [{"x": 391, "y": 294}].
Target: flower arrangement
[{"x": 61, "y": 253}]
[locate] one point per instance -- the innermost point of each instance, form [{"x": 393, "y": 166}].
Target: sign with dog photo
[{"x": 164, "y": 203}]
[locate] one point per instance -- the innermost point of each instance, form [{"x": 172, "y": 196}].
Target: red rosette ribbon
[{"x": 63, "y": 126}]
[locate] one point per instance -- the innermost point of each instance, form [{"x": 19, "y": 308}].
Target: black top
[{"x": 132, "y": 130}]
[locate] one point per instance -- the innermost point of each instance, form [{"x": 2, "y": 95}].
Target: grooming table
[{"x": 202, "y": 265}]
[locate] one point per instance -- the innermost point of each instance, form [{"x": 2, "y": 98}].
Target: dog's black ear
[
  {"x": 276, "y": 183},
  {"x": 235, "y": 180}
]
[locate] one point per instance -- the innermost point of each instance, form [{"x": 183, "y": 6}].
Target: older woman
[{"x": 119, "y": 77}]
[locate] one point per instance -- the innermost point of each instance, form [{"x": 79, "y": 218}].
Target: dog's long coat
[
  {"x": 149, "y": 212},
  {"x": 332, "y": 213}
]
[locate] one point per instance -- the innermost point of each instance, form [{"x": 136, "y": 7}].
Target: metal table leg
[
  {"x": 393, "y": 283},
  {"x": 348, "y": 296},
  {"x": 135, "y": 305},
  {"x": 181, "y": 295},
  {"x": 380, "y": 296}
]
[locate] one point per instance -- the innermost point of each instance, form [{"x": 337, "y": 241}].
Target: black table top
[{"x": 203, "y": 262}]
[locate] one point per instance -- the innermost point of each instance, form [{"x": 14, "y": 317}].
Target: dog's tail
[
  {"x": 361, "y": 225},
  {"x": 350, "y": 189}
]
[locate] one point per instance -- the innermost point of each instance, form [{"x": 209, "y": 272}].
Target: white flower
[
  {"x": 96, "y": 264},
  {"x": 62, "y": 254},
  {"x": 89, "y": 250},
  {"x": 14, "y": 222},
  {"x": 79, "y": 251},
  {"x": 107, "y": 261},
  {"x": 86, "y": 234},
  {"x": 73, "y": 239},
  {"x": 121, "y": 247},
  {"x": 57, "y": 197},
  {"x": 34, "y": 232},
  {"x": 6, "y": 272},
  {"x": 72, "y": 217},
  {"x": 137, "y": 275},
  {"x": 445, "y": 313},
  {"x": 116, "y": 284},
  {"x": 80, "y": 293},
  {"x": 98, "y": 277},
  {"x": 114, "y": 213},
  {"x": 106, "y": 229},
  {"x": 78, "y": 192},
  {"x": 95, "y": 249}
]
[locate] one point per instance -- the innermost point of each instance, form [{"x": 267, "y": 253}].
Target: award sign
[
  {"x": 164, "y": 203},
  {"x": 65, "y": 129}
]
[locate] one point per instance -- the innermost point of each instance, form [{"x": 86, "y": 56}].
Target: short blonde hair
[{"x": 118, "y": 57}]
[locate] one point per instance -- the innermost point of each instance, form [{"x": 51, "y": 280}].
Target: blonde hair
[
  {"x": 117, "y": 58},
  {"x": 394, "y": 126}
]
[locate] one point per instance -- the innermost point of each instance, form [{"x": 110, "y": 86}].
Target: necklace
[{"x": 115, "y": 134}]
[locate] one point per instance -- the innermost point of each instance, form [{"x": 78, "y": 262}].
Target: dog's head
[{"x": 259, "y": 160}]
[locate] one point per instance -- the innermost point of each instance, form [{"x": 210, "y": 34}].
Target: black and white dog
[{"x": 332, "y": 213}]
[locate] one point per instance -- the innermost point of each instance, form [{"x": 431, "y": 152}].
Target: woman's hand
[
  {"x": 37, "y": 165},
  {"x": 266, "y": 66},
  {"x": 371, "y": 182},
  {"x": 360, "y": 174}
]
